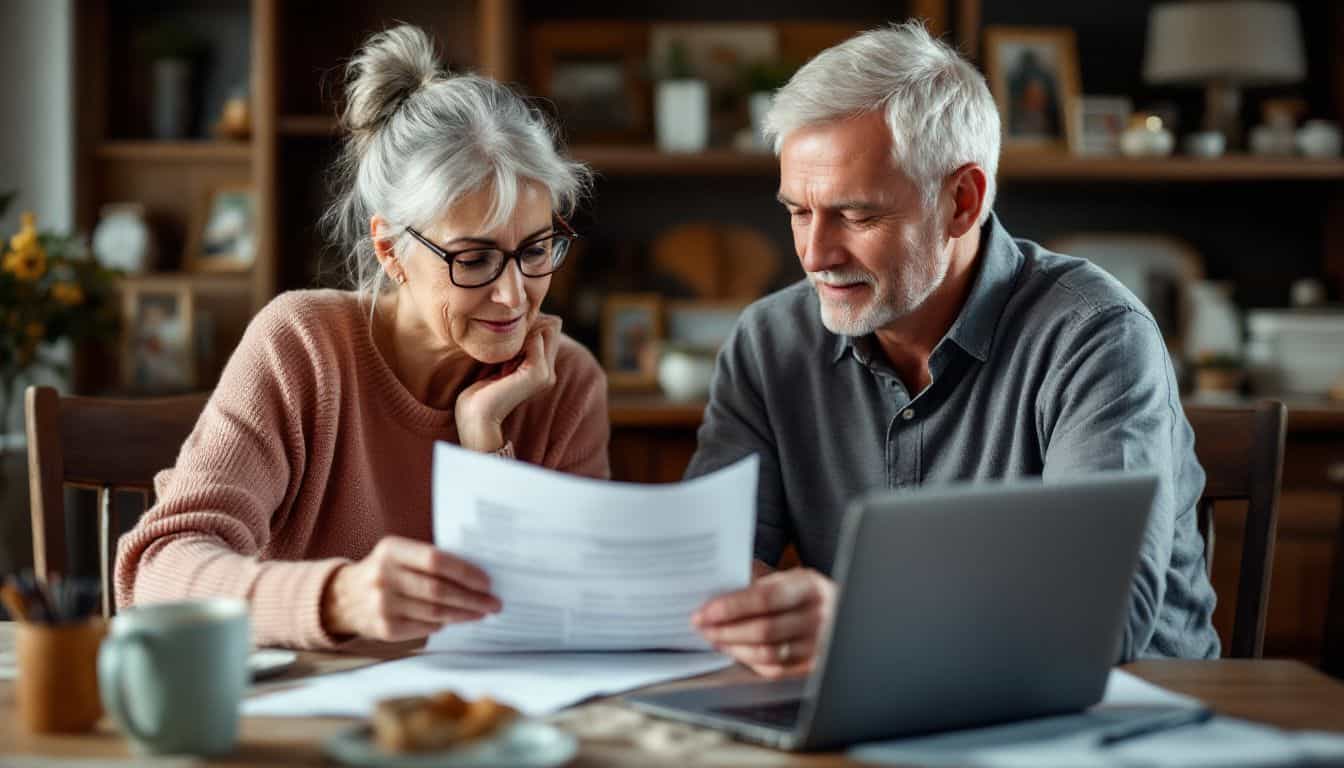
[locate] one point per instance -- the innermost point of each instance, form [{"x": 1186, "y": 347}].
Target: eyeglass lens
[{"x": 537, "y": 259}]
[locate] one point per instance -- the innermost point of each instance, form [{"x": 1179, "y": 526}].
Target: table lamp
[{"x": 1224, "y": 46}]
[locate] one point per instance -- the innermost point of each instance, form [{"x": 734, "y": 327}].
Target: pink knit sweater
[{"x": 310, "y": 451}]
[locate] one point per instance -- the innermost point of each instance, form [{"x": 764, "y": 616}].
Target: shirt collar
[{"x": 973, "y": 330}]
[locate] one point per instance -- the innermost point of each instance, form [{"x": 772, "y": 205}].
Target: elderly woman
[{"x": 305, "y": 487}]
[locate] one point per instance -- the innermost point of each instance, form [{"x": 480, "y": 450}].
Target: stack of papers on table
[
  {"x": 535, "y": 683},
  {"x": 1073, "y": 741}
]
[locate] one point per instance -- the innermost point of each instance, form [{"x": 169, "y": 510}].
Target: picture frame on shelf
[
  {"x": 632, "y": 329},
  {"x": 594, "y": 76},
  {"x": 1033, "y": 74},
  {"x": 223, "y": 230},
  {"x": 159, "y": 342},
  {"x": 701, "y": 325},
  {"x": 1100, "y": 121}
]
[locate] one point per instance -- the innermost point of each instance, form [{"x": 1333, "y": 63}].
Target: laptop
[{"x": 957, "y": 607}]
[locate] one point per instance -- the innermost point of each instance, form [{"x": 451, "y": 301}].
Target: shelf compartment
[{"x": 307, "y": 125}]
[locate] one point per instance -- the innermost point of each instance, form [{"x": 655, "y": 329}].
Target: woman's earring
[{"x": 400, "y": 278}]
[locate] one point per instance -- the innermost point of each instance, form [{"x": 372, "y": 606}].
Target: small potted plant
[
  {"x": 51, "y": 290},
  {"x": 761, "y": 79},
  {"x": 682, "y": 104}
]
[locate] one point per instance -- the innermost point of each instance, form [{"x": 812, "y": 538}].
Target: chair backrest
[
  {"x": 99, "y": 444},
  {"x": 1241, "y": 450}
]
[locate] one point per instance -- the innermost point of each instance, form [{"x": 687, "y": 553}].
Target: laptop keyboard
[{"x": 783, "y": 713}]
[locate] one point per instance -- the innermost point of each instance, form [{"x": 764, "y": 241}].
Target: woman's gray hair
[
  {"x": 937, "y": 105},
  {"x": 421, "y": 139}
]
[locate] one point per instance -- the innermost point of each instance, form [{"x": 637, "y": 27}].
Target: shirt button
[{"x": 908, "y": 414}]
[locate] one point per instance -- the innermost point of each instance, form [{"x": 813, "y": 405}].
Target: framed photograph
[
  {"x": 1033, "y": 74},
  {"x": 1100, "y": 121},
  {"x": 158, "y": 351},
  {"x": 593, "y": 74},
  {"x": 223, "y": 231},
  {"x": 632, "y": 327},
  {"x": 703, "y": 325}
]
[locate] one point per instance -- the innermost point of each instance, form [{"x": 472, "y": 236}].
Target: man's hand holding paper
[{"x": 772, "y": 626}]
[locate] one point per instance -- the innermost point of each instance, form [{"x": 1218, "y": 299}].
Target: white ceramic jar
[
  {"x": 682, "y": 115},
  {"x": 685, "y": 374},
  {"x": 122, "y": 240},
  {"x": 1147, "y": 138},
  {"x": 1319, "y": 138}
]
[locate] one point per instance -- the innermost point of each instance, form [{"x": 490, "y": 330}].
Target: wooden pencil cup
[{"x": 57, "y": 688}]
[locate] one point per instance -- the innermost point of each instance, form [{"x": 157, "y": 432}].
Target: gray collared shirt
[{"x": 1051, "y": 369}]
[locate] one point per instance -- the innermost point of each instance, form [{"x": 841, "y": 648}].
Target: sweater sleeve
[
  {"x": 580, "y": 428},
  {"x": 238, "y": 470}
]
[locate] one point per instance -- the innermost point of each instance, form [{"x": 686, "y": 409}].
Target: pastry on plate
[{"x": 421, "y": 723}]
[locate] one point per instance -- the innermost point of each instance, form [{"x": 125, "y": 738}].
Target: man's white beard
[{"x": 905, "y": 288}]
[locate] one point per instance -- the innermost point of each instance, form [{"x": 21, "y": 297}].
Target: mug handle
[{"x": 110, "y": 681}]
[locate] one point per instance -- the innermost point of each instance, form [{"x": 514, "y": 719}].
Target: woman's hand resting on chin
[{"x": 483, "y": 406}]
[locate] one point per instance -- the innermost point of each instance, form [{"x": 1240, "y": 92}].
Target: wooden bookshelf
[
  {"x": 1064, "y": 167},
  {"x": 627, "y": 409},
  {"x": 307, "y": 125},
  {"x": 648, "y": 161},
  {"x": 176, "y": 151},
  {"x": 235, "y": 285}
]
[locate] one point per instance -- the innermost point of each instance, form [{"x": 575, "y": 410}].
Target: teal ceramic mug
[{"x": 172, "y": 675}]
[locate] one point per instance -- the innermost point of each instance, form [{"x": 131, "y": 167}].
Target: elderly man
[{"x": 927, "y": 345}]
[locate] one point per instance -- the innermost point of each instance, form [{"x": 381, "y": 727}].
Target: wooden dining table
[{"x": 1287, "y": 694}]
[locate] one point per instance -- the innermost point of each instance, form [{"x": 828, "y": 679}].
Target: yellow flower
[
  {"x": 35, "y": 330},
  {"x": 26, "y": 258},
  {"x": 68, "y": 294},
  {"x": 27, "y": 234},
  {"x": 27, "y": 265}
]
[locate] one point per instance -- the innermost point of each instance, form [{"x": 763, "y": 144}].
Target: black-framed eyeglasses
[{"x": 477, "y": 267}]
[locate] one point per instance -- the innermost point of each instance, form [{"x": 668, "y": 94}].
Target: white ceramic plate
[
  {"x": 269, "y": 662},
  {"x": 524, "y": 744}
]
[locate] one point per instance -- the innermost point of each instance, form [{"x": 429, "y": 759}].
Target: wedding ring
[{"x": 784, "y": 652}]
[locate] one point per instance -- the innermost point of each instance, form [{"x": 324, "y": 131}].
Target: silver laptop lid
[{"x": 970, "y": 605}]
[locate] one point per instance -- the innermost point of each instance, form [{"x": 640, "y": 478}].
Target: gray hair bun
[
  {"x": 391, "y": 67},
  {"x": 420, "y": 139}
]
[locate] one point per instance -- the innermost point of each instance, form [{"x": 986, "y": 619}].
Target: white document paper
[
  {"x": 1124, "y": 690},
  {"x": 1219, "y": 743},
  {"x": 587, "y": 565},
  {"x": 1073, "y": 741},
  {"x": 535, "y": 683}
]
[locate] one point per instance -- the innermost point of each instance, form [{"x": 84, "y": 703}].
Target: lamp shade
[{"x": 1242, "y": 43}]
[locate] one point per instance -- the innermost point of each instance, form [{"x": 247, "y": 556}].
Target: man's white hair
[{"x": 937, "y": 105}]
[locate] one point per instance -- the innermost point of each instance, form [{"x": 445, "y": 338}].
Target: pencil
[{"x": 14, "y": 602}]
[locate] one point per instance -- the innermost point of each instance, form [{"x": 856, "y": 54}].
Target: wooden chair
[
  {"x": 98, "y": 444},
  {"x": 1241, "y": 450}
]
